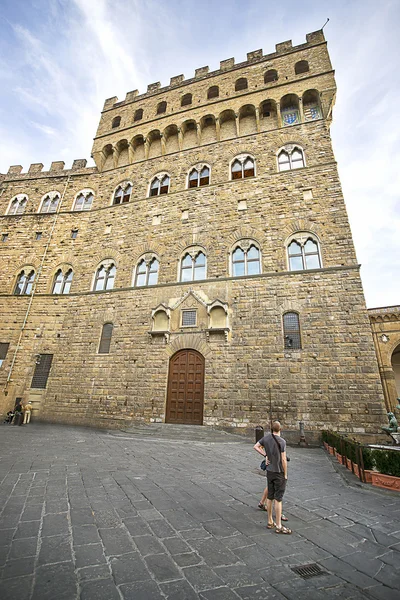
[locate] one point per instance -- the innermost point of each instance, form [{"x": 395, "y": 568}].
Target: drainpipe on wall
[{"x": 21, "y": 333}]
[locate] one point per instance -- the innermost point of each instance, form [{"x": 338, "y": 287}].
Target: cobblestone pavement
[{"x": 92, "y": 515}]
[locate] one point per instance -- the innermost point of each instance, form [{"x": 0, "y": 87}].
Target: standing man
[
  {"x": 273, "y": 446},
  {"x": 27, "y": 408}
]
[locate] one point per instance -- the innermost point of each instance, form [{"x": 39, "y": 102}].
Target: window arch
[
  {"x": 161, "y": 107},
  {"x": 105, "y": 339},
  {"x": 105, "y": 276},
  {"x": 193, "y": 265},
  {"x": 301, "y": 67},
  {"x": 17, "y": 205},
  {"x": 25, "y": 281},
  {"x": 62, "y": 281},
  {"x": 147, "y": 271},
  {"x": 138, "y": 116},
  {"x": 242, "y": 166},
  {"x": 270, "y": 76},
  {"x": 245, "y": 259},
  {"x": 241, "y": 84},
  {"x": 160, "y": 185},
  {"x": 84, "y": 200},
  {"x": 311, "y": 105},
  {"x": 116, "y": 122},
  {"x": 199, "y": 176},
  {"x": 213, "y": 92},
  {"x": 186, "y": 100},
  {"x": 290, "y": 158},
  {"x": 291, "y": 331},
  {"x": 50, "y": 202},
  {"x": 303, "y": 252},
  {"x": 123, "y": 193}
]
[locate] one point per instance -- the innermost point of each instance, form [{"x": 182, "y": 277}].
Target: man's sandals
[
  {"x": 263, "y": 507},
  {"x": 283, "y": 530}
]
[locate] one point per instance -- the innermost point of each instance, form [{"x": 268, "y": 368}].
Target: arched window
[
  {"x": 105, "y": 340},
  {"x": 147, "y": 272},
  {"x": 291, "y": 331},
  {"x": 24, "y": 283},
  {"x": 159, "y": 185},
  {"x": 161, "y": 107},
  {"x": 311, "y": 105},
  {"x": 199, "y": 176},
  {"x": 246, "y": 260},
  {"x": 18, "y": 204},
  {"x": 123, "y": 193},
  {"x": 290, "y": 158},
  {"x": 105, "y": 276},
  {"x": 138, "y": 116},
  {"x": 193, "y": 268},
  {"x": 116, "y": 122},
  {"x": 290, "y": 112},
  {"x": 301, "y": 67},
  {"x": 213, "y": 92},
  {"x": 50, "y": 203},
  {"x": 242, "y": 167},
  {"x": 241, "y": 84},
  {"x": 84, "y": 200},
  {"x": 186, "y": 100},
  {"x": 62, "y": 282},
  {"x": 303, "y": 252},
  {"x": 270, "y": 76}
]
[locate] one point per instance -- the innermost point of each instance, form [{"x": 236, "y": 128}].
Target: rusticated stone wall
[{"x": 333, "y": 381}]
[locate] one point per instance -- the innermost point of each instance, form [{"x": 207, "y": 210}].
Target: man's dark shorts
[{"x": 276, "y": 485}]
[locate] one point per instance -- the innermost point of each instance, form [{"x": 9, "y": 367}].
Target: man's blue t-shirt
[{"x": 271, "y": 448}]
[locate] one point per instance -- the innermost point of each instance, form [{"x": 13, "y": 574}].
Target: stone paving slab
[{"x": 93, "y": 515}]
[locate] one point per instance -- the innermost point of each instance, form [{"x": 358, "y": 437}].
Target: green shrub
[
  {"x": 350, "y": 450},
  {"x": 367, "y": 458},
  {"x": 387, "y": 461},
  {"x": 325, "y": 435}
]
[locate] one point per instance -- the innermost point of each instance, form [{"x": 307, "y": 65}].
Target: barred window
[
  {"x": 24, "y": 283},
  {"x": 147, "y": 272},
  {"x": 105, "y": 340},
  {"x": 62, "y": 282},
  {"x": 189, "y": 318},
  {"x": 42, "y": 370},
  {"x": 291, "y": 331}
]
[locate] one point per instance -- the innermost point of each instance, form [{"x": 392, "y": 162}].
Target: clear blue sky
[{"x": 59, "y": 60}]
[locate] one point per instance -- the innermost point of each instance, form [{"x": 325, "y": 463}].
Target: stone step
[{"x": 178, "y": 432}]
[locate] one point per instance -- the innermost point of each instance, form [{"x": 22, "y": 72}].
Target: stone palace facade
[{"x": 203, "y": 271}]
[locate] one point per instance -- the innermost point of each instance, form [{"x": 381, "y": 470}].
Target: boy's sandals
[
  {"x": 263, "y": 507},
  {"x": 271, "y": 525},
  {"x": 283, "y": 530}
]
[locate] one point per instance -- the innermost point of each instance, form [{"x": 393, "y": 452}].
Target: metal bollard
[{"x": 259, "y": 431}]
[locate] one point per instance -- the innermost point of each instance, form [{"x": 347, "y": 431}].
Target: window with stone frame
[
  {"x": 301, "y": 67},
  {"x": 303, "y": 252},
  {"x": 116, "y": 122},
  {"x": 105, "y": 339},
  {"x": 243, "y": 166},
  {"x": 241, "y": 84},
  {"x": 25, "y": 281},
  {"x": 84, "y": 200},
  {"x": 147, "y": 271},
  {"x": 213, "y": 92},
  {"x": 291, "y": 158},
  {"x": 271, "y": 76},
  {"x": 122, "y": 194},
  {"x": 105, "y": 277},
  {"x": 50, "y": 202},
  {"x": 193, "y": 266},
  {"x": 246, "y": 259},
  {"x": 138, "y": 116},
  {"x": 3, "y": 351},
  {"x": 291, "y": 331},
  {"x": 161, "y": 107},
  {"x": 188, "y": 318},
  {"x": 199, "y": 176},
  {"x": 18, "y": 205},
  {"x": 186, "y": 100},
  {"x": 160, "y": 185},
  {"x": 62, "y": 281}
]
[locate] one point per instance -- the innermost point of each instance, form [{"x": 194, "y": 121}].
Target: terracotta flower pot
[
  {"x": 356, "y": 470},
  {"x": 331, "y": 450},
  {"x": 368, "y": 476},
  {"x": 339, "y": 457},
  {"x": 348, "y": 463},
  {"x": 326, "y": 446},
  {"x": 388, "y": 482}
]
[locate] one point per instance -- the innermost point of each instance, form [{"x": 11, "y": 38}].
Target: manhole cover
[{"x": 306, "y": 571}]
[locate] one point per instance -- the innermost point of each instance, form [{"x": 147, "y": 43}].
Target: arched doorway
[
  {"x": 396, "y": 368},
  {"x": 185, "y": 397}
]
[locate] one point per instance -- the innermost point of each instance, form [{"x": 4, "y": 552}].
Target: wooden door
[{"x": 185, "y": 388}]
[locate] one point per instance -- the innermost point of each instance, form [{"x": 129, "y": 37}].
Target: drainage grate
[{"x": 307, "y": 571}]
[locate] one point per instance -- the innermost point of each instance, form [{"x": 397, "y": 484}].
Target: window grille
[
  {"x": 189, "y": 318},
  {"x": 42, "y": 370},
  {"x": 105, "y": 341},
  {"x": 291, "y": 331}
]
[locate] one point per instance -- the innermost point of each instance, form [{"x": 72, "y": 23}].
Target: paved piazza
[{"x": 100, "y": 515}]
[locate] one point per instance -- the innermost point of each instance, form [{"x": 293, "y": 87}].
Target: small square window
[
  {"x": 156, "y": 220},
  {"x": 74, "y": 234},
  {"x": 185, "y": 215},
  {"x": 4, "y": 237},
  {"x": 189, "y": 318},
  {"x": 107, "y": 229},
  {"x": 38, "y": 235}
]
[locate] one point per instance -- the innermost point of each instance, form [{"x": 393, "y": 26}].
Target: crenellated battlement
[
  {"x": 228, "y": 64},
  {"x": 57, "y": 168}
]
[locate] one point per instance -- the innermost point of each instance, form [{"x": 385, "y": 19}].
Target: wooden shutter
[{"x": 42, "y": 371}]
